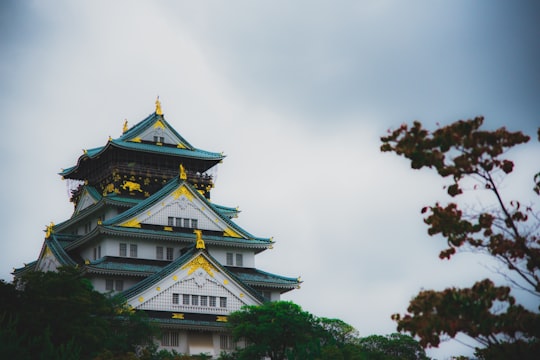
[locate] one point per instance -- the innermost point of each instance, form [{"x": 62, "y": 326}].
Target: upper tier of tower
[{"x": 142, "y": 160}]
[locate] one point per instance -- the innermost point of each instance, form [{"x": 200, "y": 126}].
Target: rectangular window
[
  {"x": 178, "y": 222},
  {"x": 99, "y": 252},
  {"x": 170, "y": 338},
  {"x": 239, "y": 260},
  {"x": 230, "y": 259},
  {"x": 159, "y": 252},
  {"x": 170, "y": 221},
  {"x": 170, "y": 252},
  {"x": 194, "y": 223},
  {"x": 267, "y": 295},
  {"x": 175, "y": 298},
  {"x": 133, "y": 250},
  {"x": 223, "y": 302},
  {"x": 204, "y": 300},
  {"x": 226, "y": 342},
  {"x": 119, "y": 285},
  {"x": 185, "y": 299},
  {"x": 195, "y": 300},
  {"x": 123, "y": 250},
  {"x": 109, "y": 285},
  {"x": 213, "y": 301},
  {"x": 95, "y": 253},
  {"x": 186, "y": 223}
]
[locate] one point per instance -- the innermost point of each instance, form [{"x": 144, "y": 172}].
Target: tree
[
  {"x": 392, "y": 347},
  {"x": 60, "y": 316},
  {"x": 278, "y": 330},
  {"x": 507, "y": 231}
]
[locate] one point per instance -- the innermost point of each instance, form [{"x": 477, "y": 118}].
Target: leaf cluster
[
  {"x": 507, "y": 232},
  {"x": 282, "y": 330},
  {"x": 60, "y": 315}
]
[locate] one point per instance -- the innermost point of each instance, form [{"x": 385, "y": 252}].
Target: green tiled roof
[
  {"x": 166, "y": 190},
  {"x": 111, "y": 264},
  {"x": 138, "y": 128},
  {"x": 123, "y": 143},
  {"x": 58, "y": 251},
  {"x": 27, "y": 267},
  {"x": 255, "y": 277}
]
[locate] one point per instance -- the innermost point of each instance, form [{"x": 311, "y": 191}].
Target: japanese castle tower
[{"x": 144, "y": 227}]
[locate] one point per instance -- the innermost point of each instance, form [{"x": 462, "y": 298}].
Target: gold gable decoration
[
  {"x": 132, "y": 223},
  {"x": 199, "y": 262},
  {"x": 182, "y": 191}
]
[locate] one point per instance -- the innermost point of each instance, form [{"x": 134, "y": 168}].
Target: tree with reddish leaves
[{"x": 509, "y": 231}]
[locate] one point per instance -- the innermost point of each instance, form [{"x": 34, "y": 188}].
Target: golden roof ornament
[
  {"x": 125, "y": 128},
  {"x": 183, "y": 175},
  {"x": 158, "y": 107},
  {"x": 49, "y": 230},
  {"x": 200, "y": 241}
]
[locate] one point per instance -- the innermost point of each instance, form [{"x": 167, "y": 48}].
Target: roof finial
[
  {"x": 200, "y": 241},
  {"x": 183, "y": 175},
  {"x": 125, "y": 128},
  {"x": 158, "y": 107},
  {"x": 49, "y": 230}
]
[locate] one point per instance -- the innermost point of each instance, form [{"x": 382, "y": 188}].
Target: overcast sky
[{"x": 296, "y": 94}]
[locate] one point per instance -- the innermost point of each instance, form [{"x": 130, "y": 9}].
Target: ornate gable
[
  {"x": 182, "y": 206},
  {"x": 86, "y": 200},
  {"x": 196, "y": 286},
  {"x": 47, "y": 261}
]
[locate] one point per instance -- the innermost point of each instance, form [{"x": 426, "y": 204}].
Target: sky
[{"x": 297, "y": 95}]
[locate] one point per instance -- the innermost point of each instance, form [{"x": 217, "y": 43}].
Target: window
[
  {"x": 159, "y": 139},
  {"x": 170, "y": 338},
  {"x": 159, "y": 252},
  {"x": 178, "y": 222},
  {"x": 230, "y": 259},
  {"x": 119, "y": 285},
  {"x": 194, "y": 223},
  {"x": 204, "y": 300},
  {"x": 109, "y": 284},
  {"x": 170, "y": 221},
  {"x": 226, "y": 342},
  {"x": 132, "y": 250},
  {"x": 170, "y": 252},
  {"x": 267, "y": 295},
  {"x": 186, "y": 223},
  {"x": 97, "y": 252},
  {"x": 175, "y": 298},
  {"x": 239, "y": 260},
  {"x": 195, "y": 300},
  {"x": 213, "y": 301},
  {"x": 223, "y": 302},
  {"x": 123, "y": 250},
  {"x": 185, "y": 299}
]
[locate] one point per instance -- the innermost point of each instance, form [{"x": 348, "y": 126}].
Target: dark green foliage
[
  {"x": 392, "y": 347},
  {"x": 59, "y": 316},
  {"x": 282, "y": 330},
  {"x": 279, "y": 330}
]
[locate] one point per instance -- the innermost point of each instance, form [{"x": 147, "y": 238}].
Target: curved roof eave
[
  {"x": 165, "y": 191},
  {"x": 195, "y": 153}
]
